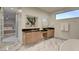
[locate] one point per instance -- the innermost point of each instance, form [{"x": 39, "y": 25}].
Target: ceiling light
[
  {"x": 11, "y": 8},
  {"x": 19, "y": 10}
]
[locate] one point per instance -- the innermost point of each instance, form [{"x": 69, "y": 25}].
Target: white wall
[
  {"x": 33, "y": 12},
  {"x": 74, "y": 24},
  {"x": 73, "y": 28}
]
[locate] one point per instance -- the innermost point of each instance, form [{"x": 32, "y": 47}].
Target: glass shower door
[
  {"x": 9, "y": 29},
  {"x": 9, "y": 25},
  {"x": 1, "y": 25}
]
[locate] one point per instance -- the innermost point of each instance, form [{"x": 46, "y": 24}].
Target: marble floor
[
  {"x": 9, "y": 44},
  {"x": 52, "y": 44}
]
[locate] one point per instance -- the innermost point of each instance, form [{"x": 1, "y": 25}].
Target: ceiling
[{"x": 52, "y": 9}]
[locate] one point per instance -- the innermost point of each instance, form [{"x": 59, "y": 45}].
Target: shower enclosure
[{"x": 8, "y": 28}]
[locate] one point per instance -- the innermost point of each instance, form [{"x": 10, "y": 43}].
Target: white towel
[
  {"x": 65, "y": 27},
  {"x": 62, "y": 28}
]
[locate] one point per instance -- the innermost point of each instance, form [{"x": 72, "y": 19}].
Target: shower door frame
[{"x": 2, "y": 26}]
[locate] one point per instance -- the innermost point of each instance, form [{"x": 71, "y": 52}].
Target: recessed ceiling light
[
  {"x": 19, "y": 10},
  {"x": 11, "y": 8}
]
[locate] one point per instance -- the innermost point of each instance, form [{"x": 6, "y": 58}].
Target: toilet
[{"x": 70, "y": 45}]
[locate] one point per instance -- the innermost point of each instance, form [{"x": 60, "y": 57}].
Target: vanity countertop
[
  {"x": 48, "y": 28},
  {"x": 31, "y": 29},
  {"x": 35, "y": 29}
]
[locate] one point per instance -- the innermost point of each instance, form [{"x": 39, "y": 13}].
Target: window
[{"x": 66, "y": 15}]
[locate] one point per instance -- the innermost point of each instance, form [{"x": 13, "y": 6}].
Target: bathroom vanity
[{"x": 34, "y": 35}]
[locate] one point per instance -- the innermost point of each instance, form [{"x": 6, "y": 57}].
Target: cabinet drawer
[{"x": 50, "y": 33}]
